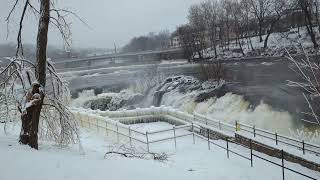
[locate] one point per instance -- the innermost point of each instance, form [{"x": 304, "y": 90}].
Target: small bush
[{"x": 213, "y": 71}]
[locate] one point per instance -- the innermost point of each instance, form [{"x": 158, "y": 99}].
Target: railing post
[
  {"x": 208, "y": 139},
  {"x": 174, "y": 136},
  {"x": 81, "y": 121},
  {"x": 147, "y": 141},
  {"x": 97, "y": 125},
  {"x": 192, "y": 127},
  {"x": 219, "y": 125},
  {"x": 130, "y": 136},
  {"x": 251, "y": 154},
  {"x": 227, "y": 140},
  {"x": 276, "y": 138},
  {"x": 236, "y": 126},
  {"x": 107, "y": 128},
  {"x": 89, "y": 124},
  {"x": 282, "y": 158},
  {"x": 303, "y": 148},
  {"x": 254, "y": 131},
  {"x": 117, "y": 132}
]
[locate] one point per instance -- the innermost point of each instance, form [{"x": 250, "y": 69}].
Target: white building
[{"x": 175, "y": 42}]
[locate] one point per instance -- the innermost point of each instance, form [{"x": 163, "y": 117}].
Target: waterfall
[{"x": 210, "y": 99}]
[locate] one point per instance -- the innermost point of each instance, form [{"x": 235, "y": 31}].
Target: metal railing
[
  {"x": 303, "y": 146},
  {"x": 194, "y": 129},
  {"x": 257, "y": 132}
]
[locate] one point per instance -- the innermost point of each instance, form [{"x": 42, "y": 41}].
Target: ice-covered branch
[
  {"x": 309, "y": 72},
  {"x": 17, "y": 82}
]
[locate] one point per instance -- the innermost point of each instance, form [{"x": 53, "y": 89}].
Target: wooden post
[
  {"x": 147, "y": 141},
  {"x": 276, "y": 138},
  {"x": 174, "y": 134},
  {"x": 303, "y": 148},
  {"x": 227, "y": 140},
  {"x": 219, "y": 125},
  {"x": 282, "y": 158},
  {"x": 254, "y": 131}
]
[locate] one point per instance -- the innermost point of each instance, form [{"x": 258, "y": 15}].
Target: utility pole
[{"x": 115, "y": 48}]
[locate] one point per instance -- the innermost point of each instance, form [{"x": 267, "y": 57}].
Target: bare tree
[
  {"x": 309, "y": 72},
  {"x": 261, "y": 10},
  {"x": 226, "y": 20},
  {"x": 24, "y": 82},
  {"x": 187, "y": 40},
  {"x": 279, "y": 8},
  {"x": 307, "y": 8},
  {"x": 246, "y": 16},
  {"x": 238, "y": 23},
  {"x": 210, "y": 12},
  {"x": 197, "y": 23}
]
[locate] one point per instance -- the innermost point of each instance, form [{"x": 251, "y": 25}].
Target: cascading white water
[{"x": 228, "y": 108}]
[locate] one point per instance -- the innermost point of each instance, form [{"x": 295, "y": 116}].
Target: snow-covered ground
[
  {"x": 276, "y": 44},
  {"x": 188, "y": 161}
]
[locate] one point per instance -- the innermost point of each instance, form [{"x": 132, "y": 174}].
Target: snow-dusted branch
[
  {"x": 309, "y": 72},
  {"x": 132, "y": 152}
]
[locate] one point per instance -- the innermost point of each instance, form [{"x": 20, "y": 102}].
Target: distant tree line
[
  {"x": 53, "y": 52},
  {"x": 215, "y": 23},
  {"x": 152, "y": 41}
]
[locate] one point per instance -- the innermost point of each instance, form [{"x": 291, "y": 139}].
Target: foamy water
[{"x": 228, "y": 108}]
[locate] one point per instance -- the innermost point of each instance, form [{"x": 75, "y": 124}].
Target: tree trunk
[
  {"x": 273, "y": 23},
  {"x": 260, "y": 32},
  {"x": 266, "y": 40},
  {"x": 30, "y": 118},
  {"x": 308, "y": 19},
  {"x": 42, "y": 40},
  {"x": 239, "y": 39}
]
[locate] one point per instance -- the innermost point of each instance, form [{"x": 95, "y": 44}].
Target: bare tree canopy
[{"x": 216, "y": 24}]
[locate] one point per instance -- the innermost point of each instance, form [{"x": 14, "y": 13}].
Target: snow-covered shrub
[{"x": 213, "y": 71}]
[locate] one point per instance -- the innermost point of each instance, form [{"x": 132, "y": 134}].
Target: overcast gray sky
[{"x": 111, "y": 20}]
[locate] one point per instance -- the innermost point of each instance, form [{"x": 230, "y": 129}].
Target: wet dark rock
[
  {"x": 218, "y": 92},
  {"x": 185, "y": 84},
  {"x": 101, "y": 103},
  {"x": 113, "y": 103}
]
